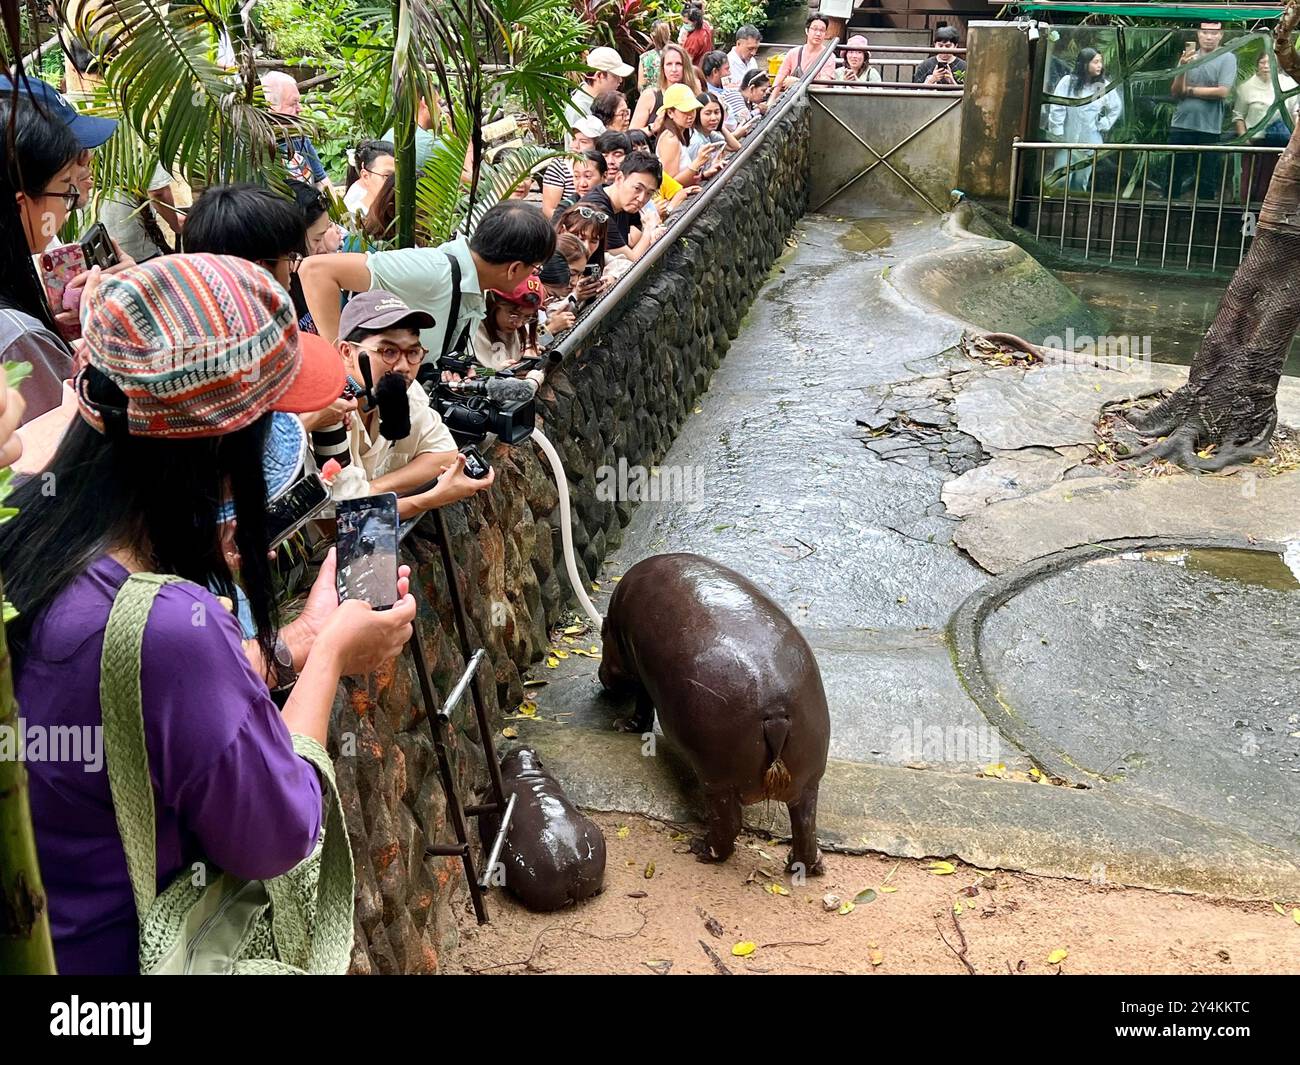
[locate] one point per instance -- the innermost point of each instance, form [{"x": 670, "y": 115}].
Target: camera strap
[{"x": 453, "y": 315}]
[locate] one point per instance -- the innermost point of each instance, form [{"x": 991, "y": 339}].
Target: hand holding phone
[{"x": 367, "y": 549}]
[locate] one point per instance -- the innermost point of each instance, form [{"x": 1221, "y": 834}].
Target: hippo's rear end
[{"x": 736, "y": 687}]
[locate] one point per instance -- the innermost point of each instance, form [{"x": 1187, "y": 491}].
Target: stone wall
[{"x": 623, "y": 395}]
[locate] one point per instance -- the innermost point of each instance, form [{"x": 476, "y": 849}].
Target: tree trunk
[
  {"x": 25, "y": 945},
  {"x": 407, "y": 92},
  {"x": 1227, "y": 411}
]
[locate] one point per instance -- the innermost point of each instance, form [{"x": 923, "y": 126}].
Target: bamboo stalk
[{"x": 25, "y": 943}]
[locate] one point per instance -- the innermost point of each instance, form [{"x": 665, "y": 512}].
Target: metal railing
[
  {"x": 894, "y": 65},
  {"x": 1127, "y": 200},
  {"x": 597, "y": 312}
]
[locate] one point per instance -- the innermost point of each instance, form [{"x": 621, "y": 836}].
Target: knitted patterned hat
[{"x": 201, "y": 345}]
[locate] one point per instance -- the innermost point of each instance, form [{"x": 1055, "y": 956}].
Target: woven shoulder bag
[{"x": 299, "y": 922}]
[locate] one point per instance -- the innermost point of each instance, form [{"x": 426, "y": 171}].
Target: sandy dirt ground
[{"x": 664, "y": 912}]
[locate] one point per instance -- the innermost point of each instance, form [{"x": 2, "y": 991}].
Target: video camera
[{"x": 471, "y": 408}]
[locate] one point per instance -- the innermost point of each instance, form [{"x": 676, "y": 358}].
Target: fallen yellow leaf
[
  {"x": 510, "y": 733},
  {"x": 623, "y": 832},
  {"x": 778, "y": 889},
  {"x": 998, "y": 769},
  {"x": 561, "y": 655},
  {"x": 886, "y": 890},
  {"x": 1279, "y": 909},
  {"x": 942, "y": 868},
  {"x": 847, "y": 908},
  {"x": 650, "y": 871},
  {"x": 575, "y": 630},
  {"x": 744, "y": 950},
  {"x": 552, "y": 662},
  {"x": 1057, "y": 956},
  {"x": 528, "y": 709},
  {"x": 956, "y": 907},
  {"x": 877, "y": 957},
  {"x": 1295, "y": 916}
]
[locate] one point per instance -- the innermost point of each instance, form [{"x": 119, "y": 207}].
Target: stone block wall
[{"x": 623, "y": 395}]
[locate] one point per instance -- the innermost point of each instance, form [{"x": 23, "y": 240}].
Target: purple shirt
[{"x": 227, "y": 783}]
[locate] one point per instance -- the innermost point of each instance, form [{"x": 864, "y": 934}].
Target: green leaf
[
  {"x": 16, "y": 373},
  {"x": 865, "y": 895}
]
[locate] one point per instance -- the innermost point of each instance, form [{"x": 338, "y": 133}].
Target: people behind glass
[
  {"x": 1257, "y": 112},
  {"x": 1202, "y": 89},
  {"x": 943, "y": 69},
  {"x": 371, "y": 164},
  {"x": 799, "y": 60},
  {"x": 675, "y": 68},
  {"x": 1087, "y": 122},
  {"x": 855, "y": 61}
]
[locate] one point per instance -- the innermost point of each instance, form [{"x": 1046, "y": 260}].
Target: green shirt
[
  {"x": 421, "y": 278},
  {"x": 425, "y": 141}
]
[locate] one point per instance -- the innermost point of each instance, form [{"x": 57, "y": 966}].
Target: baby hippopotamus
[
  {"x": 736, "y": 686},
  {"x": 554, "y": 854}
]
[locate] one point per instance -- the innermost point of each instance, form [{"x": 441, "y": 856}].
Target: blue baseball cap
[{"x": 90, "y": 131}]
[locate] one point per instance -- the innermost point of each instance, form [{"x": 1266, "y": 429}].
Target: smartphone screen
[
  {"x": 367, "y": 549},
  {"x": 290, "y": 512}
]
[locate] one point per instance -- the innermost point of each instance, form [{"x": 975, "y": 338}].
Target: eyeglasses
[
  {"x": 519, "y": 314},
  {"x": 391, "y": 355},
  {"x": 69, "y": 197},
  {"x": 592, "y": 214},
  {"x": 294, "y": 259},
  {"x": 381, "y": 174}
]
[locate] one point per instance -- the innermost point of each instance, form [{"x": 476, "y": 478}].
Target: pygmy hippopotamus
[
  {"x": 554, "y": 854},
  {"x": 737, "y": 689}
]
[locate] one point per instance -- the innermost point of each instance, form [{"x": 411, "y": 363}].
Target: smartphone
[
  {"x": 289, "y": 512},
  {"x": 367, "y": 549},
  {"x": 59, "y": 266},
  {"x": 476, "y": 466},
  {"x": 592, "y": 270},
  {"x": 99, "y": 248}
]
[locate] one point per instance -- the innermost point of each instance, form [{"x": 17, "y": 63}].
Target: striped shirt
[{"x": 560, "y": 174}]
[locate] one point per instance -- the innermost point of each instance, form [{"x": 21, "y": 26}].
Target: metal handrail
[
  {"x": 1122, "y": 146},
  {"x": 596, "y": 314}
]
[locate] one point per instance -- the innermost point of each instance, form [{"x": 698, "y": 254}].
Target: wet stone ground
[{"x": 843, "y": 448}]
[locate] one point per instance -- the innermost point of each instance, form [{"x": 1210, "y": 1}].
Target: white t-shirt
[{"x": 737, "y": 68}]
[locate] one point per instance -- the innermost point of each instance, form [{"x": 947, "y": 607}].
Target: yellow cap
[{"x": 680, "y": 98}]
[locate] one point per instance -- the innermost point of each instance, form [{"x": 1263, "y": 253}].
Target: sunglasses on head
[{"x": 593, "y": 214}]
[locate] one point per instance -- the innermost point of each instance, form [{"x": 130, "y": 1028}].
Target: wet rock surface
[{"x": 1171, "y": 674}]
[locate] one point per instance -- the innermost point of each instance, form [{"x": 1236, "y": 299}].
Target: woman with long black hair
[
  {"x": 187, "y": 358},
  {"x": 38, "y": 171},
  {"x": 1086, "y": 122}
]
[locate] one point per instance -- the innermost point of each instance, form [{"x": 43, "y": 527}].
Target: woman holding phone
[
  {"x": 142, "y": 472},
  {"x": 673, "y": 136}
]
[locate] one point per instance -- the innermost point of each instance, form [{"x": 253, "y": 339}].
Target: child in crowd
[
  {"x": 509, "y": 330},
  {"x": 614, "y": 146},
  {"x": 558, "y": 179}
]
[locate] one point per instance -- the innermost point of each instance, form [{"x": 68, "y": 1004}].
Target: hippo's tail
[{"x": 776, "y": 778}]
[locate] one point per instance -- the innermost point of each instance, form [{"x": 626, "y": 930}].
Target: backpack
[{"x": 299, "y": 922}]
